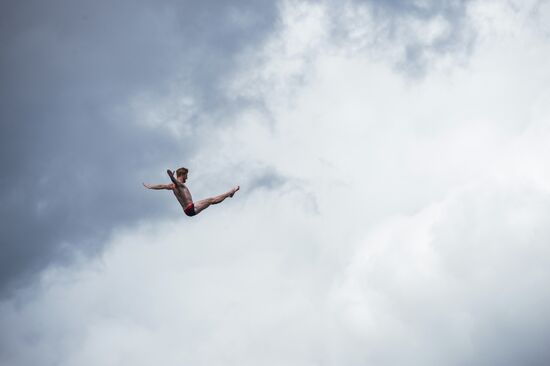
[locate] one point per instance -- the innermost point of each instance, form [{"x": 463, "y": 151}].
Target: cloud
[
  {"x": 455, "y": 283},
  {"x": 414, "y": 34},
  {"x": 95, "y": 99},
  {"x": 383, "y": 219}
]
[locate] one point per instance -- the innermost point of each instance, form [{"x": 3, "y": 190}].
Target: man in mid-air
[{"x": 184, "y": 196}]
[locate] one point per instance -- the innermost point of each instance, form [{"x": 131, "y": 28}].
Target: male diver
[{"x": 184, "y": 196}]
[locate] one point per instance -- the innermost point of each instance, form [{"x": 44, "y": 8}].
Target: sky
[{"x": 393, "y": 164}]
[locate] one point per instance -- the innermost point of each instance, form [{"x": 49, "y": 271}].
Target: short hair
[{"x": 181, "y": 171}]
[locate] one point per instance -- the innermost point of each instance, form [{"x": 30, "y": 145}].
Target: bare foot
[{"x": 235, "y": 189}]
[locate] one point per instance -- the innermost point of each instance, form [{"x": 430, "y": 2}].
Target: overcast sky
[{"x": 393, "y": 160}]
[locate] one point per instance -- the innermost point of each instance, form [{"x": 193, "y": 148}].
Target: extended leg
[{"x": 203, "y": 204}]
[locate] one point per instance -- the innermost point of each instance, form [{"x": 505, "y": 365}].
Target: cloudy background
[{"x": 393, "y": 158}]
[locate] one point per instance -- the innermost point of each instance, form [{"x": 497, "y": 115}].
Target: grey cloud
[
  {"x": 458, "y": 285},
  {"x": 259, "y": 177},
  {"x": 266, "y": 179},
  {"x": 390, "y": 17},
  {"x": 72, "y": 157},
  {"x": 494, "y": 249}
]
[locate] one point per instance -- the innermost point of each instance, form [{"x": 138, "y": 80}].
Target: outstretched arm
[{"x": 158, "y": 186}]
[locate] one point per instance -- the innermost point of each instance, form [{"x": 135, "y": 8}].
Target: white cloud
[{"x": 412, "y": 227}]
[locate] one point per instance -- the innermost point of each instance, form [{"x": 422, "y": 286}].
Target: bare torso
[{"x": 183, "y": 195}]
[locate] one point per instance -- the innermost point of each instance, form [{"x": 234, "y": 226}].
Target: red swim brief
[{"x": 190, "y": 209}]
